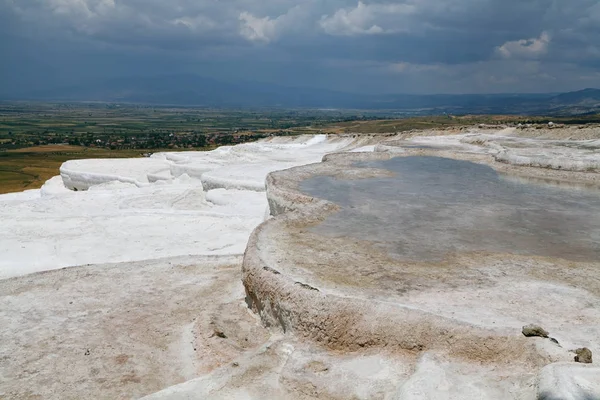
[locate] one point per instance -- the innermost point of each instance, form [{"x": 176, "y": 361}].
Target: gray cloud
[
  {"x": 525, "y": 48},
  {"x": 369, "y": 46},
  {"x": 368, "y": 19}
]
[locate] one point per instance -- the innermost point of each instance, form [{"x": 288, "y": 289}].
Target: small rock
[
  {"x": 87, "y": 352},
  {"x": 317, "y": 366},
  {"x": 554, "y": 341},
  {"x": 534, "y": 330},
  {"x": 236, "y": 364},
  {"x": 584, "y": 355},
  {"x": 219, "y": 333}
]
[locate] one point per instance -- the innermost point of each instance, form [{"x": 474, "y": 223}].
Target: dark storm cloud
[{"x": 402, "y": 46}]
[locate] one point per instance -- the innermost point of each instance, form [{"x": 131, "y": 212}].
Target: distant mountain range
[{"x": 192, "y": 90}]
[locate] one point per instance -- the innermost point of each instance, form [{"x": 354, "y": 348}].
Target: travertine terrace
[
  {"x": 138, "y": 283},
  {"x": 312, "y": 271}
]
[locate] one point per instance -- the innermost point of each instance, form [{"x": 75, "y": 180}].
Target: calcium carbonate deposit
[
  {"x": 316, "y": 267},
  {"x": 172, "y": 204}
]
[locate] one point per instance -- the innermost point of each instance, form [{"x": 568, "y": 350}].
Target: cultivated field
[{"x": 29, "y": 168}]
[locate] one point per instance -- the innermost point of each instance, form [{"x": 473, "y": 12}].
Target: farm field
[{"x": 29, "y": 168}]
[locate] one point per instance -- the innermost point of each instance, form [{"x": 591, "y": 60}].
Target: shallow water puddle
[{"x": 436, "y": 206}]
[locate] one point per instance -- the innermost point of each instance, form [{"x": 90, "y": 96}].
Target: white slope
[
  {"x": 148, "y": 208},
  {"x": 82, "y": 174},
  {"x": 119, "y": 223},
  {"x": 570, "y": 155}
]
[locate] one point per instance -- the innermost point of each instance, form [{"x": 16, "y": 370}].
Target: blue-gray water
[{"x": 434, "y": 206}]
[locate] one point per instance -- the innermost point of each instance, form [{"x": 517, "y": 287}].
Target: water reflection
[{"x": 434, "y": 206}]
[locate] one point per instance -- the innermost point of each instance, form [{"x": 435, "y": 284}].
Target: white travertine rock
[{"x": 569, "y": 381}]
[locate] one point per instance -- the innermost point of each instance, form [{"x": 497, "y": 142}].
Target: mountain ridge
[{"x": 194, "y": 90}]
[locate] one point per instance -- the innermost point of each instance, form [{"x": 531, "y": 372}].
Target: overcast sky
[{"x": 413, "y": 46}]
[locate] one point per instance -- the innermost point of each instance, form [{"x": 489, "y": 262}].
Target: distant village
[{"x": 155, "y": 140}]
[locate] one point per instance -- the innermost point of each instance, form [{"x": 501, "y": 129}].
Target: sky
[{"x": 412, "y": 46}]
